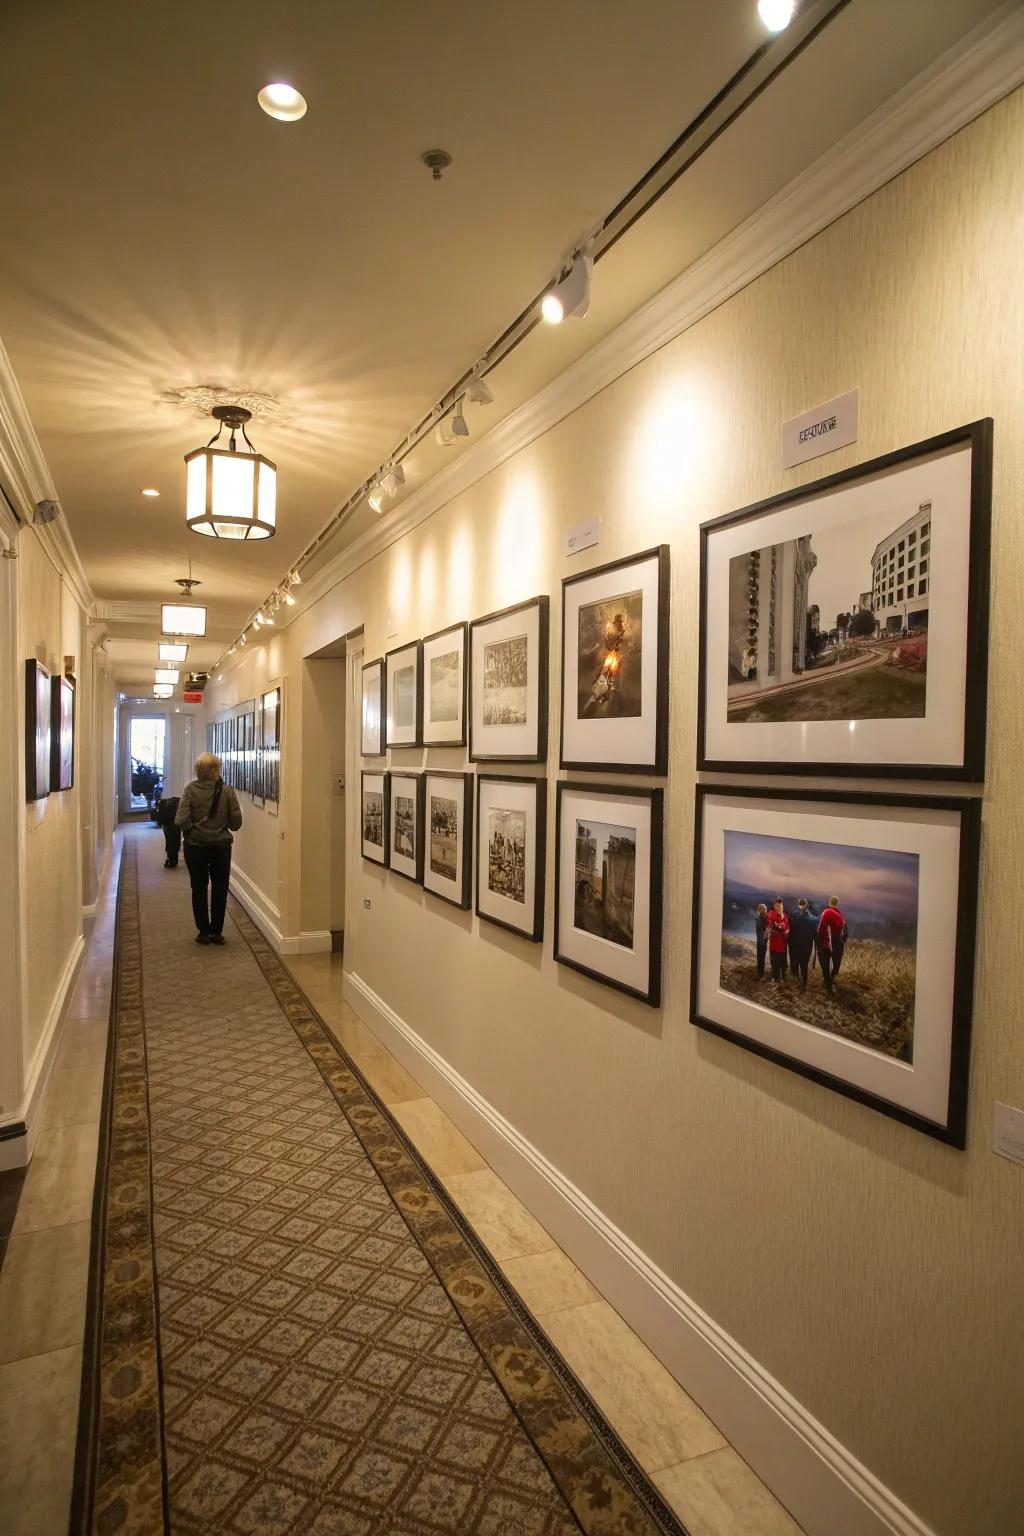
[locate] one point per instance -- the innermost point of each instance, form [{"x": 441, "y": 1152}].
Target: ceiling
[{"x": 165, "y": 239}]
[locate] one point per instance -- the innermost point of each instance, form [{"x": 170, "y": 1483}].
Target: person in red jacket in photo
[
  {"x": 830, "y": 941},
  {"x": 778, "y": 939}
]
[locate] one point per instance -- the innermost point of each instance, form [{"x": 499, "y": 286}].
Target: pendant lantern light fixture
[
  {"x": 184, "y": 618},
  {"x": 231, "y": 493}
]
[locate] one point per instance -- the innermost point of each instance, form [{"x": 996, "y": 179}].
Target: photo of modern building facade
[{"x": 900, "y": 572}]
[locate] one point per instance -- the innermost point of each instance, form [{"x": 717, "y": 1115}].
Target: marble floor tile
[
  {"x": 74, "y": 1094},
  {"x": 58, "y": 1186},
  {"x": 718, "y": 1495},
  {"x": 90, "y": 1001},
  {"x": 42, "y": 1291},
  {"x": 83, "y": 1040},
  {"x": 38, "y": 1415},
  {"x": 549, "y": 1282},
  {"x": 498, "y": 1218},
  {"x": 436, "y": 1138},
  {"x": 655, "y": 1417},
  {"x": 386, "y": 1076}
]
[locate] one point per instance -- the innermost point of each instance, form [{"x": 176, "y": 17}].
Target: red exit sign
[{"x": 192, "y": 698}]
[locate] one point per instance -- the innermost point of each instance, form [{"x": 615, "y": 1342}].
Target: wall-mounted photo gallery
[{"x": 248, "y": 743}]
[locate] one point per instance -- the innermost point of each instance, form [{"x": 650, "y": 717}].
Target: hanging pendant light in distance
[
  {"x": 172, "y": 650},
  {"x": 182, "y": 619},
  {"x": 166, "y": 675},
  {"x": 230, "y": 494},
  {"x": 162, "y": 690}
]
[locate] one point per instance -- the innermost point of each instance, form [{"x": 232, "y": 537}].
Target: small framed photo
[
  {"x": 372, "y": 742},
  {"x": 405, "y": 825},
  {"x": 508, "y": 712},
  {"x": 62, "y": 734},
  {"x": 448, "y": 835},
  {"x": 374, "y": 812},
  {"x": 834, "y": 934},
  {"x": 403, "y": 685},
  {"x": 615, "y": 645},
  {"x": 608, "y": 880},
  {"x": 817, "y": 650},
  {"x": 510, "y": 837},
  {"x": 38, "y": 718},
  {"x": 444, "y": 687}
]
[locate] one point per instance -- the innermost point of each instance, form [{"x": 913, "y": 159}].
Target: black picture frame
[
  {"x": 387, "y": 736},
  {"x": 656, "y": 797},
  {"x": 954, "y": 1130},
  {"x": 420, "y": 795},
  {"x": 364, "y": 750},
  {"x": 543, "y": 606},
  {"x": 464, "y": 897},
  {"x": 659, "y": 764},
  {"x": 979, "y": 436},
  {"x": 38, "y": 728},
  {"x": 439, "y": 634},
  {"x": 62, "y": 733},
  {"x": 376, "y": 773},
  {"x": 534, "y": 932}
]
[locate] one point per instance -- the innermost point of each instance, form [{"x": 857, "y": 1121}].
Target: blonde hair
[{"x": 207, "y": 766}]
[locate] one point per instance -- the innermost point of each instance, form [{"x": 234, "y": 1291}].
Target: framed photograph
[
  {"x": 256, "y": 786},
  {"x": 834, "y": 934},
  {"x": 373, "y": 743},
  {"x": 38, "y": 729},
  {"x": 608, "y": 879},
  {"x": 510, "y": 837},
  {"x": 615, "y": 646},
  {"x": 508, "y": 713},
  {"x": 448, "y": 835},
  {"x": 403, "y": 683},
  {"x": 817, "y": 650},
  {"x": 405, "y": 825},
  {"x": 62, "y": 734},
  {"x": 374, "y": 813},
  {"x": 270, "y": 725},
  {"x": 444, "y": 687}
]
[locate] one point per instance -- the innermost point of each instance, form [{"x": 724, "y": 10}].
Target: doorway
[{"x": 144, "y": 768}]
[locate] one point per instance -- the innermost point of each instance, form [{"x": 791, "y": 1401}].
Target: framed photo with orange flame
[{"x": 615, "y": 639}]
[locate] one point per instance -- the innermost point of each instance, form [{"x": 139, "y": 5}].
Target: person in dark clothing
[
  {"x": 208, "y": 812},
  {"x": 761, "y": 935},
  {"x": 830, "y": 940},
  {"x": 778, "y": 937},
  {"x": 165, "y": 813},
  {"x": 802, "y": 930}
]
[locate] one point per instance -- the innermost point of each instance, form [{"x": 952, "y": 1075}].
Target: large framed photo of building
[
  {"x": 834, "y": 934},
  {"x": 374, "y": 813},
  {"x": 444, "y": 687},
  {"x": 510, "y": 838},
  {"x": 615, "y": 641},
  {"x": 508, "y": 684},
  {"x": 403, "y": 692},
  {"x": 372, "y": 741},
  {"x": 405, "y": 825},
  {"x": 844, "y": 625},
  {"x": 448, "y": 835},
  {"x": 608, "y": 885}
]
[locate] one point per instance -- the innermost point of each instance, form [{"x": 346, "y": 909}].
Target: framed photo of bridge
[
  {"x": 844, "y": 625},
  {"x": 510, "y": 819}
]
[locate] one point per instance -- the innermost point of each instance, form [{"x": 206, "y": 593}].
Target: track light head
[
  {"x": 570, "y": 296},
  {"x": 776, "y": 14},
  {"x": 479, "y": 392},
  {"x": 452, "y": 427}
]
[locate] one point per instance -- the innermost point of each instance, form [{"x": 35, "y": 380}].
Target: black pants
[
  {"x": 762, "y": 950},
  {"x": 825, "y": 960},
  {"x": 209, "y": 866},
  {"x": 838, "y": 946},
  {"x": 172, "y": 843},
  {"x": 778, "y": 960},
  {"x": 800, "y": 961}
]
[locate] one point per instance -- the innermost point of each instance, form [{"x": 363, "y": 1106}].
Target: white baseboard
[
  {"x": 16, "y": 1150},
  {"x": 827, "y": 1490},
  {"x": 267, "y": 918},
  {"x": 314, "y": 941}
]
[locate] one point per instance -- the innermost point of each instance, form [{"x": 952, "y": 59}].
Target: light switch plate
[{"x": 1008, "y": 1132}]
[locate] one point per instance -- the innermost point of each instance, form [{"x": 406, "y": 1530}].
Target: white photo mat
[
  {"x": 444, "y": 731},
  {"x": 630, "y": 968},
  {"x": 507, "y": 795},
  {"x": 507, "y": 741}
]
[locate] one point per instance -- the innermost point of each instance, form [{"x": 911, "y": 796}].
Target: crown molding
[{"x": 959, "y": 86}]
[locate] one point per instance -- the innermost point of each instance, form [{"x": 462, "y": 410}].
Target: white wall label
[
  {"x": 1008, "y": 1132},
  {"x": 583, "y": 537},
  {"x": 828, "y": 426}
]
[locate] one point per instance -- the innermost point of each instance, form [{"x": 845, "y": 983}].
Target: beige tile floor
[{"x": 43, "y": 1283}]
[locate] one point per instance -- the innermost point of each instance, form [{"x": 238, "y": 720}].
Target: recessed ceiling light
[
  {"x": 283, "y": 102},
  {"x": 149, "y": 490},
  {"x": 776, "y": 14}
]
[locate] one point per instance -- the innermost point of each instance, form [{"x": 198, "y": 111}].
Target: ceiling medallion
[{"x": 201, "y": 399}]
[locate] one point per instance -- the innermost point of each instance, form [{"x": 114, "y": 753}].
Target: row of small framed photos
[
  {"x": 248, "y": 743},
  {"x": 488, "y": 680},
  {"x": 608, "y": 865}
]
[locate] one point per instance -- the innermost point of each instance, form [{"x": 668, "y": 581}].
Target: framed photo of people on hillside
[
  {"x": 508, "y": 713},
  {"x": 510, "y": 820},
  {"x": 834, "y": 934},
  {"x": 374, "y": 816},
  {"x": 405, "y": 825},
  {"x": 844, "y": 625},
  {"x": 448, "y": 835}
]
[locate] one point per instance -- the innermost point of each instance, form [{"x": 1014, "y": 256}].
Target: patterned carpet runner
[{"x": 291, "y": 1328}]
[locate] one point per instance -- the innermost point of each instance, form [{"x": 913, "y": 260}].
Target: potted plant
[{"x": 146, "y": 782}]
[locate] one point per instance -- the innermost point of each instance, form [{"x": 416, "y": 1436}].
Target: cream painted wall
[{"x": 873, "y": 1271}]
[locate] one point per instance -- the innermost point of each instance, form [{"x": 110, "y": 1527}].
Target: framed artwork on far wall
[
  {"x": 608, "y": 885},
  {"x": 833, "y": 933},
  {"x": 405, "y": 825},
  {"x": 444, "y": 687},
  {"x": 615, "y": 673},
  {"x": 62, "y": 734},
  {"x": 448, "y": 835},
  {"x": 374, "y": 816},
  {"x": 38, "y": 726},
  {"x": 508, "y": 684},
  {"x": 510, "y": 836},
  {"x": 372, "y": 742},
  {"x": 817, "y": 647},
  {"x": 403, "y": 694},
  {"x": 270, "y": 727}
]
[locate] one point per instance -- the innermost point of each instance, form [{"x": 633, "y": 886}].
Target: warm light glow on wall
[
  {"x": 518, "y": 569},
  {"x": 460, "y": 570},
  {"x": 426, "y": 581},
  {"x": 669, "y": 450},
  {"x": 401, "y": 580}
]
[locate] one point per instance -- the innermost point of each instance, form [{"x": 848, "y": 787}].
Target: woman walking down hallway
[{"x": 207, "y": 814}]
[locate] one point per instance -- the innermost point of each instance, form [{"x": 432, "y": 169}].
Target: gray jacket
[{"x": 194, "y": 812}]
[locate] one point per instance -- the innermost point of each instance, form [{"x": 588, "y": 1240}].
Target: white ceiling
[{"x": 161, "y": 233}]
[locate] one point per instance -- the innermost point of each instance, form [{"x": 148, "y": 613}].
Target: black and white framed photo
[
  {"x": 834, "y": 934},
  {"x": 405, "y": 825},
  {"x": 448, "y": 835},
  {"x": 608, "y": 880},
  {"x": 444, "y": 687},
  {"x": 508, "y": 684},
  {"x": 403, "y": 691},
  {"x": 374, "y": 816},
  {"x": 62, "y": 734},
  {"x": 38, "y": 718},
  {"x": 372, "y": 741},
  {"x": 844, "y": 625},
  {"x": 271, "y": 732},
  {"x": 510, "y": 838},
  {"x": 615, "y": 645}
]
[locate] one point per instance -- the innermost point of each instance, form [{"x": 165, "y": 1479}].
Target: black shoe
[
  {"x": 217, "y": 938},
  {"x": 168, "y": 864},
  {"x": 202, "y": 938}
]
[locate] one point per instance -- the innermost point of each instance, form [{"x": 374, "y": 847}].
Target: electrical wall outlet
[{"x": 339, "y": 783}]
